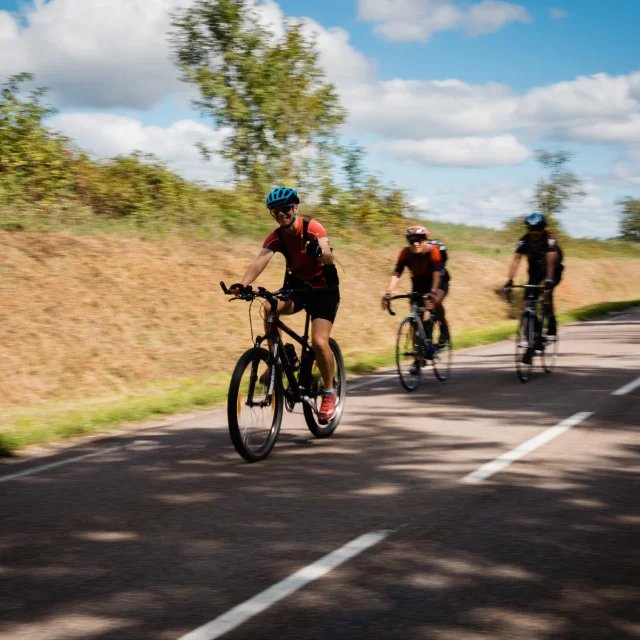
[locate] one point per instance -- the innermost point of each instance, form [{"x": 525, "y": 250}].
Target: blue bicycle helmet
[
  {"x": 535, "y": 221},
  {"x": 282, "y": 195}
]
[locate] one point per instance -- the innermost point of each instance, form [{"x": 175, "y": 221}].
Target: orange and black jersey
[{"x": 422, "y": 265}]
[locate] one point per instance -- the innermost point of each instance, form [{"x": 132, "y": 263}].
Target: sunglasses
[
  {"x": 413, "y": 239},
  {"x": 285, "y": 208}
]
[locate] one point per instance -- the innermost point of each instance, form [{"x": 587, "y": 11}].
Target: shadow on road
[{"x": 153, "y": 542}]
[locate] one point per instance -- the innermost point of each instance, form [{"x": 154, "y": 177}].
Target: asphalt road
[{"x": 166, "y": 529}]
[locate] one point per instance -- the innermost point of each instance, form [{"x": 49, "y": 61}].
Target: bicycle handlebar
[
  {"x": 405, "y": 295},
  {"x": 249, "y": 294},
  {"x": 526, "y": 286},
  {"x": 507, "y": 290}
]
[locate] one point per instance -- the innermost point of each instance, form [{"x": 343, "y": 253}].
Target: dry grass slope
[{"x": 83, "y": 316}]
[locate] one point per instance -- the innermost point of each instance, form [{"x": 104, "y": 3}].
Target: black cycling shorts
[
  {"x": 425, "y": 286},
  {"x": 320, "y": 303},
  {"x": 537, "y": 277}
]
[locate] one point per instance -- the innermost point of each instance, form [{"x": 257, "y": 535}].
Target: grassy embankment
[{"x": 97, "y": 330}]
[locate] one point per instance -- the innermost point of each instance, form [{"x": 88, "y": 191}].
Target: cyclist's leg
[
  {"x": 552, "y": 326},
  {"x": 440, "y": 312},
  {"x": 284, "y": 309},
  {"x": 323, "y": 307}
]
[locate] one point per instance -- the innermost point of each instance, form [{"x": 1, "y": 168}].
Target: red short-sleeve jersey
[{"x": 300, "y": 265}]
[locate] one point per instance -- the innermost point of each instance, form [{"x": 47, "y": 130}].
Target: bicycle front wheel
[
  {"x": 525, "y": 347},
  {"x": 549, "y": 354},
  {"x": 409, "y": 354},
  {"x": 254, "y": 415},
  {"x": 443, "y": 352},
  {"x": 314, "y": 383}
]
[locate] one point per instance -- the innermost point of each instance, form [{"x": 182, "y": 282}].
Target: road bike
[
  {"x": 532, "y": 338},
  {"x": 257, "y": 400},
  {"x": 419, "y": 344}
]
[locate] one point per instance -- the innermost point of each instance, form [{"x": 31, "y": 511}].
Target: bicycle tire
[
  {"x": 237, "y": 428},
  {"x": 340, "y": 385},
  {"x": 443, "y": 355},
  {"x": 525, "y": 336},
  {"x": 549, "y": 355},
  {"x": 410, "y": 381}
]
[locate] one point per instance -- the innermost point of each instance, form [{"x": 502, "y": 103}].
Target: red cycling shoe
[{"x": 328, "y": 407}]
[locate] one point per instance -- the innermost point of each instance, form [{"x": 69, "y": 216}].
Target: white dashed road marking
[
  {"x": 236, "y": 616},
  {"x": 628, "y": 388},
  {"x": 502, "y": 462}
]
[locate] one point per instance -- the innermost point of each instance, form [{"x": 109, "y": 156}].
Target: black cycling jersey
[{"x": 537, "y": 250}]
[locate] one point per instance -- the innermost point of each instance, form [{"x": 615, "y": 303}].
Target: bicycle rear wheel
[
  {"x": 524, "y": 347},
  {"x": 442, "y": 352},
  {"x": 254, "y": 415},
  {"x": 313, "y": 382},
  {"x": 409, "y": 354}
]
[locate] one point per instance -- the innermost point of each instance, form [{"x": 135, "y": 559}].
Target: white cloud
[
  {"x": 557, "y": 14},
  {"x": 107, "y": 135},
  {"x": 494, "y": 204},
  {"x": 626, "y": 174},
  {"x": 418, "y": 20},
  {"x": 458, "y": 152},
  {"x": 97, "y": 54},
  {"x": 489, "y": 206},
  {"x": 418, "y": 109}
]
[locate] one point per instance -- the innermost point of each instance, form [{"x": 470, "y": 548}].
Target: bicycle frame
[
  {"x": 533, "y": 301},
  {"x": 279, "y": 354},
  {"x": 417, "y": 311}
]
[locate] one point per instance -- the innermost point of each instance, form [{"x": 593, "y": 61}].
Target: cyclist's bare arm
[
  {"x": 327, "y": 256},
  {"x": 393, "y": 283},
  {"x": 257, "y": 267},
  {"x": 515, "y": 263},
  {"x": 552, "y": 257},
  {"x": 437, "y": 276}
]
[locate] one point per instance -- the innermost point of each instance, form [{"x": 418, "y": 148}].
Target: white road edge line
[
  {"x": 502, "y": 462},
  {"x": 628, "y": 388},
  {"x": 240, "y": 614},
  {"x": 61, "y": 463}
]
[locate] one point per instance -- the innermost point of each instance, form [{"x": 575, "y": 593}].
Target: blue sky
[{"x": 449, "y": 97}]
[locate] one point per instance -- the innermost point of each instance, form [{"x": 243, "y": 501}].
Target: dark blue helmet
[
  {"x": 282, "y": 195},
  {"x": 535, "y": 221}
]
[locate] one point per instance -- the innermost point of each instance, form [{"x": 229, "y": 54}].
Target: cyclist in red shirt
[
  {"x": 425, "y": 261},
  {"x": 305, "y": 246}
]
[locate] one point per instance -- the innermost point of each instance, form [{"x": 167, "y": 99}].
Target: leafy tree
[
  {"x": 354, "y": 165},
  {"x": 558, "y": 187},
  {"x": 35, "y": 162},
  {"x": 630, "y": 219},
  {"x": 270, "y": 91}
]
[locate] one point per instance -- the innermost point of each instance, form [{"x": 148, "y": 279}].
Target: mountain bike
[
  {"x": 531, "y": 337},
  {"x": 419, "y": 343},
  {"x": 256, "y": 402}
]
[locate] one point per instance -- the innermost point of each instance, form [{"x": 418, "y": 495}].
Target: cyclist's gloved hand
[
  {"x": 507, "y": 287},
  {"x": 313, "y": 249},
  {"x": 386, "y": 301},
  {"x": 238, "y": 289},
  {"x": 549, "y": 284}
]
